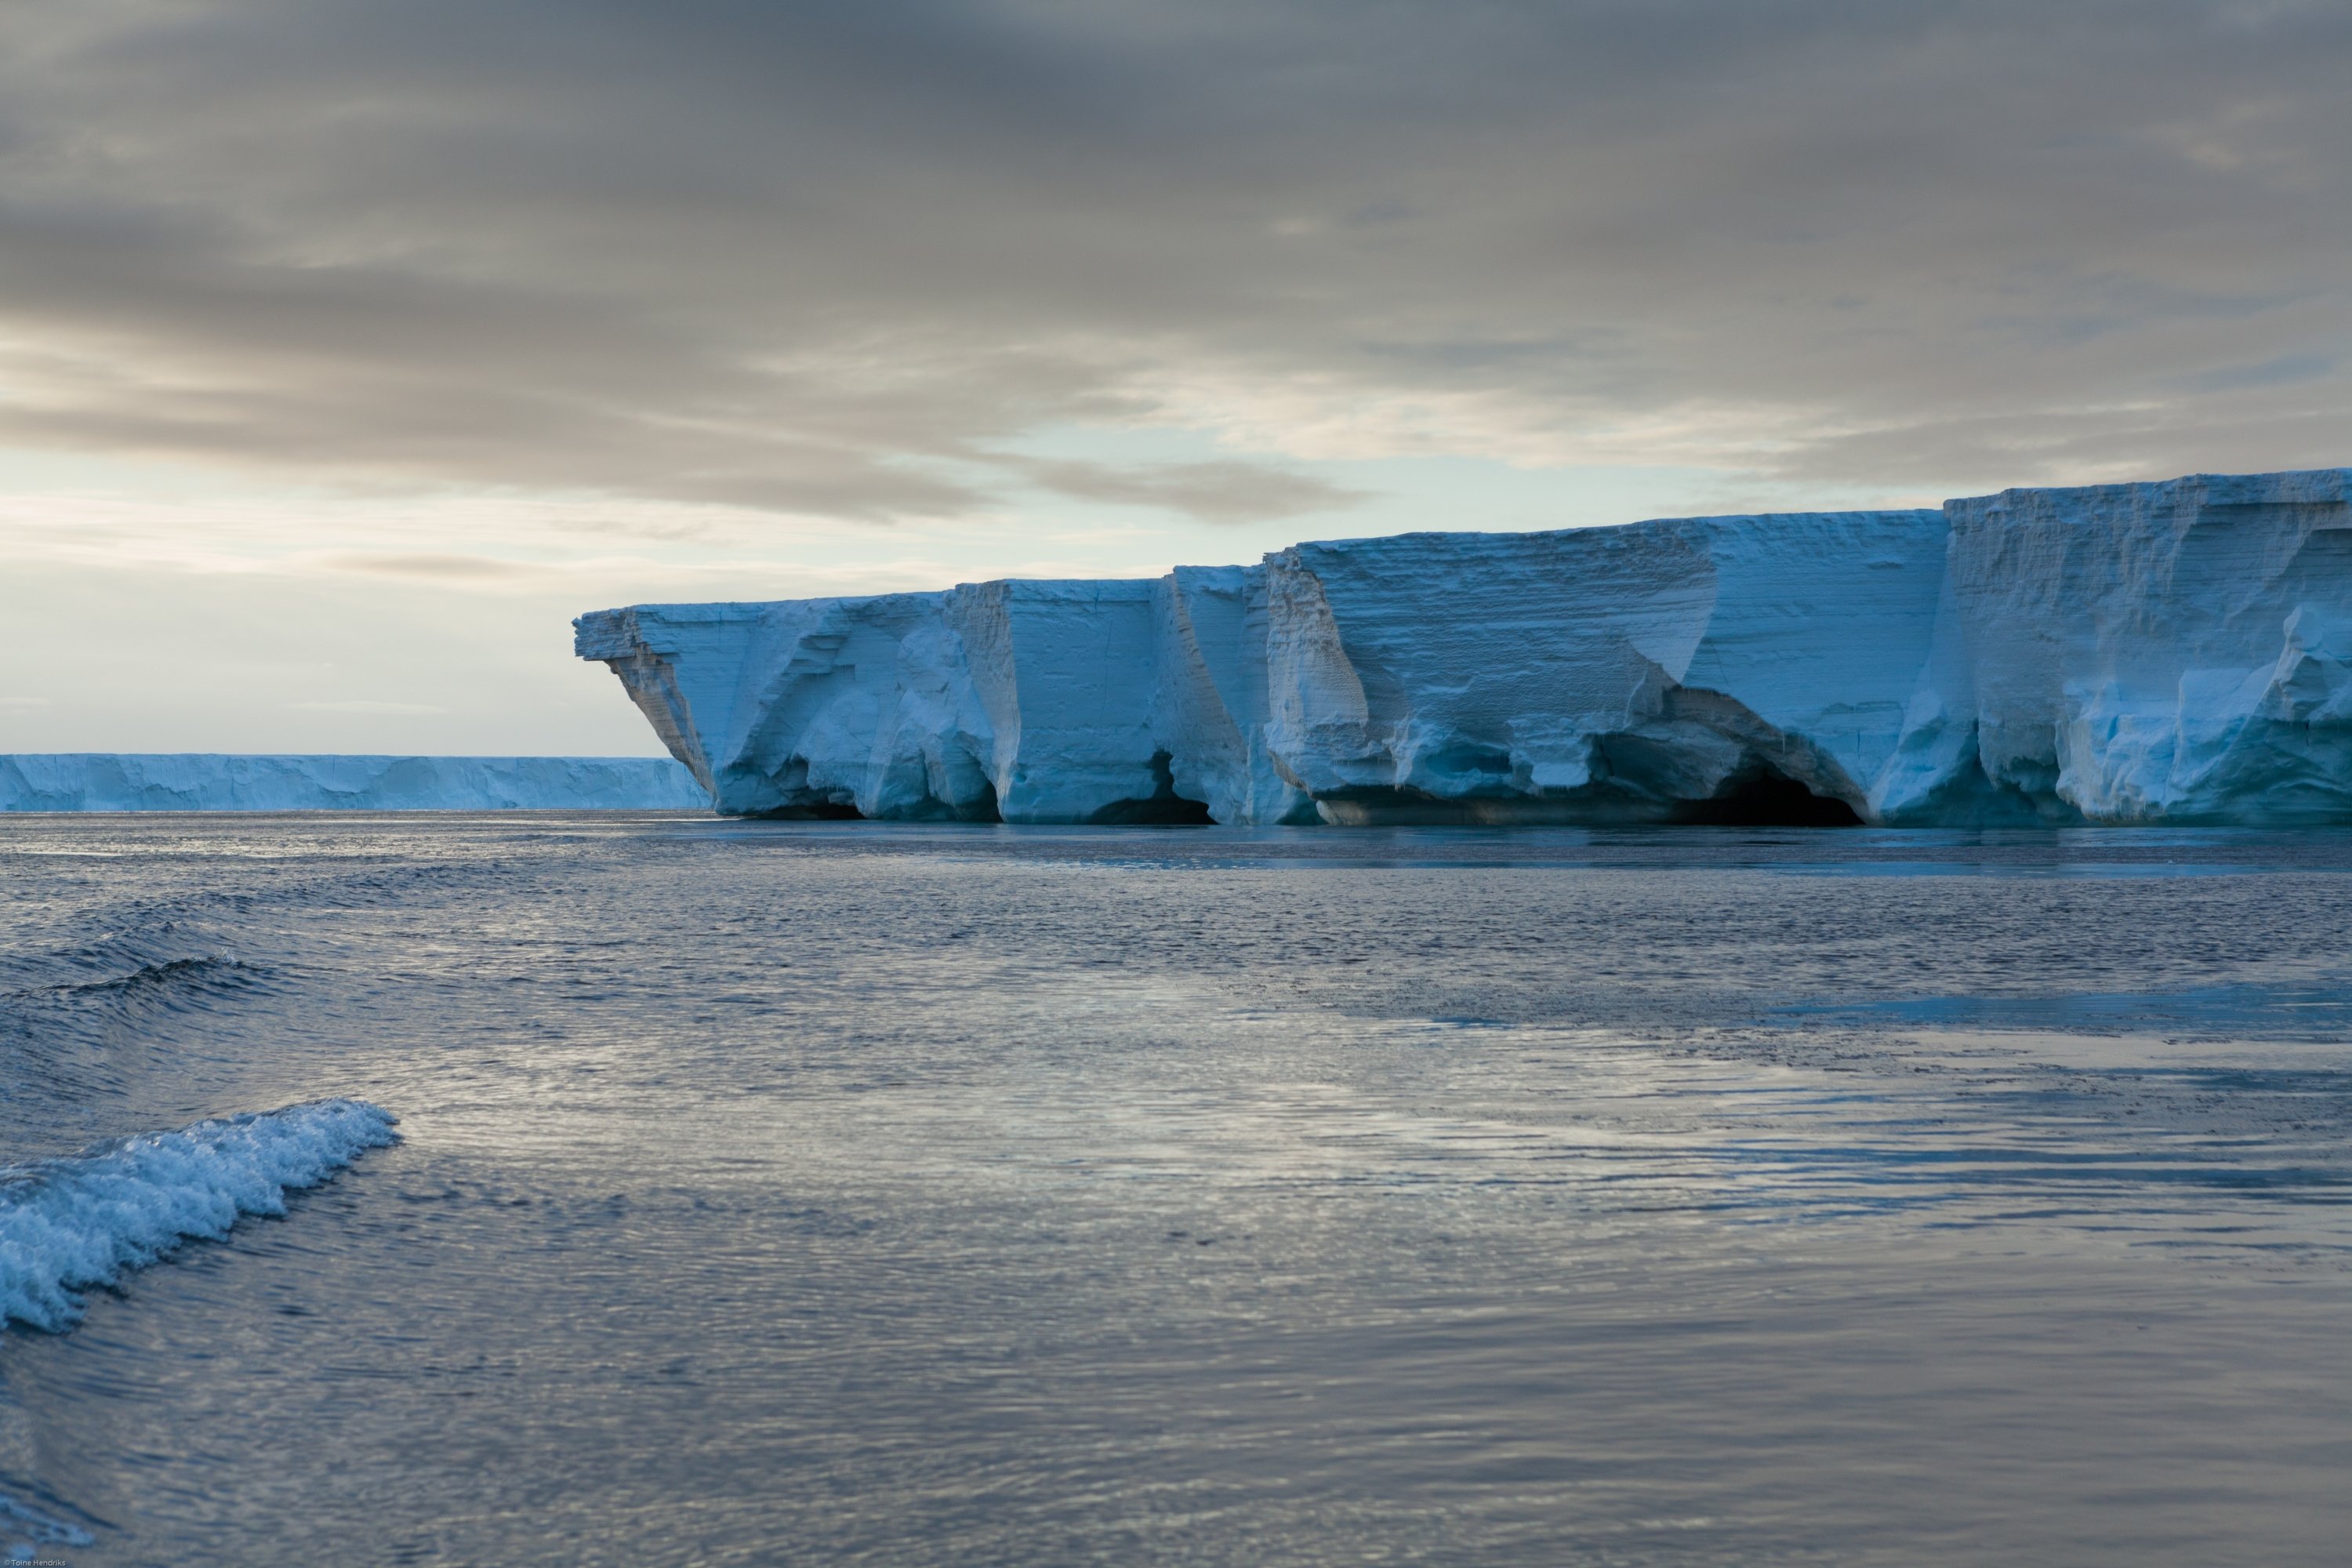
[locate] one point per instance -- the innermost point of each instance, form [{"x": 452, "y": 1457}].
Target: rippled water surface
[{"x": 778, "y": 1192}]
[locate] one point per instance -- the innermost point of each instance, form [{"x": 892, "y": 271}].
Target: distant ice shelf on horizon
[
  {"x": 212, "y": 781},
  {"x": 2178, "y": 652}
]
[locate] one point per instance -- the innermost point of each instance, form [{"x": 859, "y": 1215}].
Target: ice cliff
[
  {"x": 2175, "y": 652},
  {"x": 110, "y": 781}
]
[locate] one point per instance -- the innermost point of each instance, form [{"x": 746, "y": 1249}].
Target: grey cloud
[
  {"x": 814, "y": 259},
  {"x": 2279, "y": 371},
  {"x": 364, "y": 705},
  {"x": 1212, "y": 492},
  {"x": 432, "y": 567}
]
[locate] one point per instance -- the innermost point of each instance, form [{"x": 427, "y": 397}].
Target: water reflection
[{"x": 795, "y": 1193}]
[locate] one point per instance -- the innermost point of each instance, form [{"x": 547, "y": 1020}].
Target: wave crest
[{"x": 70, "y": 1224}]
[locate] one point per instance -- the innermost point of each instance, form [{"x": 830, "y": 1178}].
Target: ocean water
[{"x": 856, "y": 1193}]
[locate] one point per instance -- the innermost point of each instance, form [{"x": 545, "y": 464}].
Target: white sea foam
[
  {"x": 25, "y": 1531},
  {"x": 70, "y": 1224}
]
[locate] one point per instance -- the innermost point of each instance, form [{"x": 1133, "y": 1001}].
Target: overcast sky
[{"x": 347, "y": 350}]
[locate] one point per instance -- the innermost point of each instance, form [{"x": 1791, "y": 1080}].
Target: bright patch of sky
[{"x": 163, "y": 605}]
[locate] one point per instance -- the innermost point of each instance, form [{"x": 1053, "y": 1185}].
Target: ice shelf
[
  {"x": 117, "y": 780},
  {"x": 2178, "y": 652}
]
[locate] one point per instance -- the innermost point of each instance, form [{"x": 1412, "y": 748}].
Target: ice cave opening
[
  {"x": 1761, "y": 795},
  {"x": 1163, "y": 807}
]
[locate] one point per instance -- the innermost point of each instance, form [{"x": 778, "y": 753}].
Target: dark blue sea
[{"x": 869, "y": 1195}]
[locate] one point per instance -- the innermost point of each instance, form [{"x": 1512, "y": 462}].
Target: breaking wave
[{"x": 70, "y": 1224}]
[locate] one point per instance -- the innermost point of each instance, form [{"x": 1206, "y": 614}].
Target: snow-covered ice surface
[
  {"x": 67, "y": 1224},
  {"x": 2154, "y": 653},
  {"x": 210, "y": 781}
]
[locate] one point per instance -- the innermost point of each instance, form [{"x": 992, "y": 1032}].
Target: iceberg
[
  {"x": 2178, "y": 652},
  {"x": 114, "y": 780}
]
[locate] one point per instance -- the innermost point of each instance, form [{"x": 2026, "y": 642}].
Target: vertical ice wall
[
  {"x": 2120, "y": 653},
  {"x": 2171, "y": 652},
  {"x": 1029, "y": 702},
  {"x": 1599, "y": 674},
  {"x": 1212, "y": 698}
]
